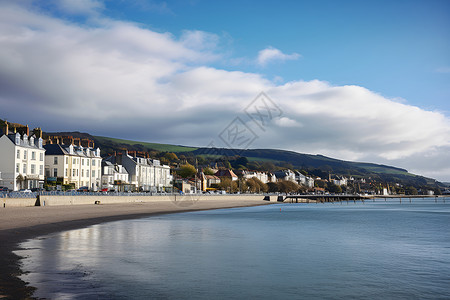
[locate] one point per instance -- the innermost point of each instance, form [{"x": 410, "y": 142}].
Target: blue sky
[
  {"x": 356, "y": 80},
  {"x": 396, "y": 48}
]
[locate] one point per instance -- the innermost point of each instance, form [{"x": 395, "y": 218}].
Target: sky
[{"x": 355, "y": 80}]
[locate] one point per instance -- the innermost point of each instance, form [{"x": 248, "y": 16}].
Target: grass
[{"x": 155, "y": 146}]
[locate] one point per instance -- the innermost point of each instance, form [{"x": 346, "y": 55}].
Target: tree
[
  {"x": 287, "y": 186},
  {"x": 171, "y": 156},
  {"x": 208, "y": 171},
  {"x": 228, "y": 185},
  {"x": 333, "y": 188},
  {"x": 410, "y": 190},
  {"x": 187, "y": 171},
  {"x": 273, "y": 187}
]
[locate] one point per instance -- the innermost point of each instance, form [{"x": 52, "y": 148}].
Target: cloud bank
[{"x": 118, "y": 79}]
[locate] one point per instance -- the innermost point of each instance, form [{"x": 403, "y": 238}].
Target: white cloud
[
  {"x": 286, "y": 122},
  {"x": 271, "y": 54},
  {"x": 118, "y": 79}
]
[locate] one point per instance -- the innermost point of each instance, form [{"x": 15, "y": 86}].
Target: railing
[{"x": 18, "y": 195}]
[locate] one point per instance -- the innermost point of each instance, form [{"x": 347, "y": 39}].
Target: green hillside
[
  {"x": 109, "y": 142},
  {"x": 264, "y": 159}
]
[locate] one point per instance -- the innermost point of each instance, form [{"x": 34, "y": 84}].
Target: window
[
  {"x": 87, "y": 161},
  {"x": 24, "y": 154},
  {"x": 66, "y": 172},
  {"x": 82, "y": 173},
  {"x": 93, "y": 162},
  {"x": 55, "y": 160},
  {"x": 74, "y": 161},
  {"x": 73, "y": 172},
  {"x": 18, "y": 153},
  {"x": 41, "y": 156},
  {"x": 41, "y": 170},
  {"x": 24, "y": 170},
  {"x": 82, "y": 161},
  {"x": 55, "y": 172},
  {"x": 33, "y": 155},
  {"x": 78, "y": 173},
  {"x": 67, "y": 160},
  {"x": 93, "y": 173},
  {"x": 17, "y": 168},
  {"x": 33, "y": 168}
]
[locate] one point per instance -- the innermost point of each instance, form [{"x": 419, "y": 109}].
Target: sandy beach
[{"x": 21, "y": 223}]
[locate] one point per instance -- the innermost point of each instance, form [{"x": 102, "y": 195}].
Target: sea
[{"x": 382, "y": 249}]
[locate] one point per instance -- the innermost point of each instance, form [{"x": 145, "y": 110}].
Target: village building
[
  {"x": 286, "y": 175},
  {"x": 73, "y": 165},
  {"x": 21, "y": 157},
  {"x": 226, "y": 173},
  {"x": 115, "y": 177},
  {"x": 262, "y": 176},
  {"x": 145, "y": 174}
]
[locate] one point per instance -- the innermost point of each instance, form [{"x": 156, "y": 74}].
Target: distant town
[{"x": 31, "y": 161}]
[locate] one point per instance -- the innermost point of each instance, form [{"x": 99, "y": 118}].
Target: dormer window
[
  {"x": 32, "y": 141},
  {"x": 17, "y": 139},
  {"x": 25, "y": 139},
  {"x": 40, "y": 143},
  {"x": 71, "y": 149}
]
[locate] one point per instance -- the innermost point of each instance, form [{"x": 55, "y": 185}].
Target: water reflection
[{"x": 371, "y": 250}]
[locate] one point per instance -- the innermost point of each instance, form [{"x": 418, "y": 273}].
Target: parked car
[
  {"x": 25, "y": 191},
  {"x": 4, "y": 189},
  {"x": 83, "y": 189}
]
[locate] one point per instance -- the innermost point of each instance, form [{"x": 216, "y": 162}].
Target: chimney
[{"x": 37, "y": 132}]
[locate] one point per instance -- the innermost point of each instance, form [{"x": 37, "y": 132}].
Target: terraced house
[
  {"x": 74, "y": 164},
  {"x": 21, "y": 157}
]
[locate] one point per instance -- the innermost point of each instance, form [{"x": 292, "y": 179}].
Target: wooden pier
[
  {"x": 321, "y": 198},
  {"x": 339, "y": 198}
]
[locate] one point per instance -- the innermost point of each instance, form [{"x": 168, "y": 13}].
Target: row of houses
[{"x": 26, "y": 161}]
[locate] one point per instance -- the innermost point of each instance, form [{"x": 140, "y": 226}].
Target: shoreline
[{"x": 18, "y": 224}]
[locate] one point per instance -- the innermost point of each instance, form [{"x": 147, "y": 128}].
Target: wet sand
[{"x": 21, "y": 223}]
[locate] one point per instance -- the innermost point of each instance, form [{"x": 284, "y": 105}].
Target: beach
[{"x": 21, "y": 223}]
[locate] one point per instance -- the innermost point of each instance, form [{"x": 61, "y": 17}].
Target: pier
[
  {"x": 320, "y": 198},
  {"x": 355, "y": 197}
]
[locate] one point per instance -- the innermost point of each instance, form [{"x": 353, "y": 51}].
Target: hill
[{"x": 267, "y": 159}]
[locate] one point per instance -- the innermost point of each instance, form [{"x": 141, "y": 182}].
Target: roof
[
  {"x": 225, "y": 173},
  {"x": 54, "y": 149}
]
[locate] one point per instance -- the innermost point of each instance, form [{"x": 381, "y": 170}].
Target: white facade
[
  {"x": 286, "y": 175},
  {"x": 262, "y": 176},
  {"x": 147, "y": 174},
  {"x": 113, "y": 176},
  {"x": 21, "y": 161},
  {"x": 305, "y": 180},
  {"x": 74, "y": 165}
]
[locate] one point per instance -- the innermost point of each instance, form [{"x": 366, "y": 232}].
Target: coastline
[{"x": 18, "y": 224}]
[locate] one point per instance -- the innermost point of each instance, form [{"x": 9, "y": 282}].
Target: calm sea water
[{"x": 375, "y": 250}]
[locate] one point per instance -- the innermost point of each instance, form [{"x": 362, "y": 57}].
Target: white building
[
  {"x": 73, "y": 165},
  {"x": 145, "y": 174},
  {"x": 262, "y": 176},
  {"x": 304, "y": 180},
  {"x": 21, "y": 161},
  {"x": 286, "y": 175},
  {"x": 114, "y": 177},
  {"x": 340, "y": 181}
]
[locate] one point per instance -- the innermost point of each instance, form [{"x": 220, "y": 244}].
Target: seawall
[{"x": 52, "y": 200}]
